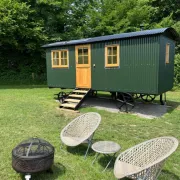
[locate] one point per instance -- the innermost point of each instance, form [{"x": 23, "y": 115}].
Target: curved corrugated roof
[{"x": 171, "y": 31}]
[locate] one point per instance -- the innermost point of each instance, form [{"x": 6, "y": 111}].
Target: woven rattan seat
[
  {"x": 81, "y": 130},
  {"x": 144, "y": 161}
]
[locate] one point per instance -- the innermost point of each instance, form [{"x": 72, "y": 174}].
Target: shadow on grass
[
  {"x": 168, "y": 175},
  {"x": 104, "y": 160},
  {"x": 165, "y": 175},
  {"x": 80, "y": 150},
  {"x": 57, "y": 170},
  {"x": 173, "y": 105}
]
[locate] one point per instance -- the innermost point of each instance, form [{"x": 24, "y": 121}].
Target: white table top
[{"x": 106, "y": 147}]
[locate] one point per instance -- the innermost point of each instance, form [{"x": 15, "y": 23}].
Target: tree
[
  {"x": 21, "y": 36},
  {"x": 18, "y": 29},
  {"x": 52, "y": 14},
  {"x": 164, "y": 8},
  {"x": 114, "y": 16}
]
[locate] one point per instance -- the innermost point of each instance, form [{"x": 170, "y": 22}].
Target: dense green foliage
[
  {"x": 177, "y": 70},
  {"x": 25, "y": 25}
]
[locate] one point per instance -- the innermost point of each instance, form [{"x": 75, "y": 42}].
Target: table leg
[
  {"x": 96, "y": 156},
  {"x": 109, "y": 162}
]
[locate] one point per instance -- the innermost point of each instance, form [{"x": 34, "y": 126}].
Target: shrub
[{"x": 177, "y": 70}]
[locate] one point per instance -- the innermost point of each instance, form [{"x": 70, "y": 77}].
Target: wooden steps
[
  {"x": 80, "y": 91},
  {"x": 74, "y": 99},
  {"x": 76, "y": 95},
  {"x": 69, "y": 105}
]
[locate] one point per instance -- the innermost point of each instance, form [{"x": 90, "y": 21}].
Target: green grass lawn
[{"x": 28, "y": 111}]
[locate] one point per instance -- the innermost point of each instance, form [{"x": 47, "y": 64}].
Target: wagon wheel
[
  {"x": 113, "y": 95},
  {"x": 94, "y": 93},
  {"x": 125, "y": 102},
  {"x": 125, "y": 96},
  {"x": 136, "y": 96},
  {"x": 147, "y": 97},
  {"x": 61, "y": 96}
]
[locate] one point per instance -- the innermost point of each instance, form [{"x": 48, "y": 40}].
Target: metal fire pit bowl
[{"x": 32, "y": 155}]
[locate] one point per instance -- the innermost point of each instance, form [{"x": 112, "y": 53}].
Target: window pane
[
  {"x": 114, "y": 59},
  {"x": 63, "y": 61},
  {"x": 114, "y": 50},
  {"x": 55, "y": 61},
  {"x": 85, "y": 51},
  {"x": 109, "y": 60},
  {"x": 65, "y": 54},
  {"x": 80, "y": 60},
  {"x": 62, "y": 54},
  {"x": 167, "y": 53},
  {"x": 85, "y": 59},
  {"x": 109, "y": 49},
  {"x": 80, "y": 51},
  {"x": 55, "y": 55}
]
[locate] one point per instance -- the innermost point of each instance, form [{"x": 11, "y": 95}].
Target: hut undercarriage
[{"x": 124, "y": 101}]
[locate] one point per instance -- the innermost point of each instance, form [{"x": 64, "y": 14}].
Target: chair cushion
[{"x": 123, "y": 169}]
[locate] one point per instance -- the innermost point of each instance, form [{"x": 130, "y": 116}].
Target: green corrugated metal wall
[
  {"x": 166, "y": 71},
  {"x": 138, "y": 71},
  {"x": 142, "y": 67},
  {"x": 64, "y": 77}
]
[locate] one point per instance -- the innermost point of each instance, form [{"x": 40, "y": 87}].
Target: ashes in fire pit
[{"x": 32, "y": 155}]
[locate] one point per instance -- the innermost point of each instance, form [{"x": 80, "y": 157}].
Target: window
[
  {"x": 60, "y": 58},
  {"x": 82, "y": 54},
  {"x": 112, "y": 56},
  {"x": 167, "y": 53}
]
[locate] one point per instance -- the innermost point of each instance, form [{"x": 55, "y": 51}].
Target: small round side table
[{"x": 106, "y": 148}]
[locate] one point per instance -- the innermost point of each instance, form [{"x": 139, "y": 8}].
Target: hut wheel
[
  {"x": 136, "y": 96},
  {"x": 113, "y": 95},
  {"x": 125, "y": 102},
  {"x": 61, "y": 96},
  {"x": 147, "y": 97},
  {"x": 94, "y": 93}
]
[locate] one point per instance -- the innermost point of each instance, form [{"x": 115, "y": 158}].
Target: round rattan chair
[
  {"x": 144, "y": 161},
  {"x": 81, "y": 130}
]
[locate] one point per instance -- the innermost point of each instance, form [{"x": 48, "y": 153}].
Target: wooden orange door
[{"x": 83, "y": 66}]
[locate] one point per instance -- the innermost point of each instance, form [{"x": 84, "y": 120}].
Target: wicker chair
[
  {"x": 81, "y": 130},
  {"x": 144, "y": 161}
]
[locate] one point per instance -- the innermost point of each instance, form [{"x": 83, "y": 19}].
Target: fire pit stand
[{"x": 32, "y": 156}]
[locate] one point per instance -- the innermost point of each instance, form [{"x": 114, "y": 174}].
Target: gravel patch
[{"x": 145, "y": 110}]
